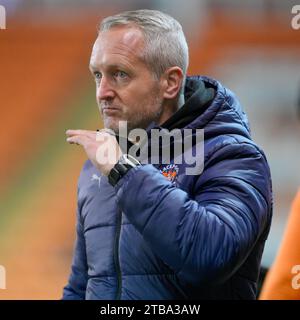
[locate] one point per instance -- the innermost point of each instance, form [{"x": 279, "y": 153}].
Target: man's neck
[{"x": 171, "y": 109}]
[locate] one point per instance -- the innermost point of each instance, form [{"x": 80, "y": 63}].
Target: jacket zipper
[{"x": 116, "y": 254}]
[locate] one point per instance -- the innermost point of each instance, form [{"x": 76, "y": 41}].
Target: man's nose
[{"x": 104, "y": 90}]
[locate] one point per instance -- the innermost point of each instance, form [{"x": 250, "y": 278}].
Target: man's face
[{"x": 126, "y": 89}]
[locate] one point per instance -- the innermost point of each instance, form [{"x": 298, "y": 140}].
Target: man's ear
[{"x": 172, "y": 81}]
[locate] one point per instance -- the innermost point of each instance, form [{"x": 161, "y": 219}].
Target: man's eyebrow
[{"x": 94, "y": 67}]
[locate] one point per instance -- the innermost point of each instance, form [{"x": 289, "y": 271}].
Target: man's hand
[{"x": 101, "y": 147}]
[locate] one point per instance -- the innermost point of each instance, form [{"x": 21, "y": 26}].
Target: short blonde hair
[{"x": 165, "y": 42}]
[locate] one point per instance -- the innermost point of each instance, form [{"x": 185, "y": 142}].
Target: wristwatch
[{"x": 124, "y": 164}]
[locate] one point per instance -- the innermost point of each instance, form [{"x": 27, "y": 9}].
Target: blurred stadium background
[{"x": 46, "y": 88}]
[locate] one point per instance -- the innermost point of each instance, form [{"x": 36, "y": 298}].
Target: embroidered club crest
[{"x": 170, "y": 172}]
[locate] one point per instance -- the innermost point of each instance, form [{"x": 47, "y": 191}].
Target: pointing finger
[{"x": 88, "y": 133}]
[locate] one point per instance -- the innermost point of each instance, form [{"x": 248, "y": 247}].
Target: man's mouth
[{"x": 110, "y": 110}]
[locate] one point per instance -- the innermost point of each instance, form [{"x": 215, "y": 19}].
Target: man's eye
[
  {"x": 97, "y": 75},
  {"x": 121, "y": 74}
]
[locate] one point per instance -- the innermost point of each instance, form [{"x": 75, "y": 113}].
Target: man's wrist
[{"x": 124, "y": 164}]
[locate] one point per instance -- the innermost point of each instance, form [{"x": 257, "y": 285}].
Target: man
[{"x": 153, "y": 231}]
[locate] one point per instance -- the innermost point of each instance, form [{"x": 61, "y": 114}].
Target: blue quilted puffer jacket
[{"x": 191, "y": 237}]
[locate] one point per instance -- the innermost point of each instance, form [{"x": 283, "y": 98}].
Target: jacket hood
[{"x": 211, "y": 106}]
